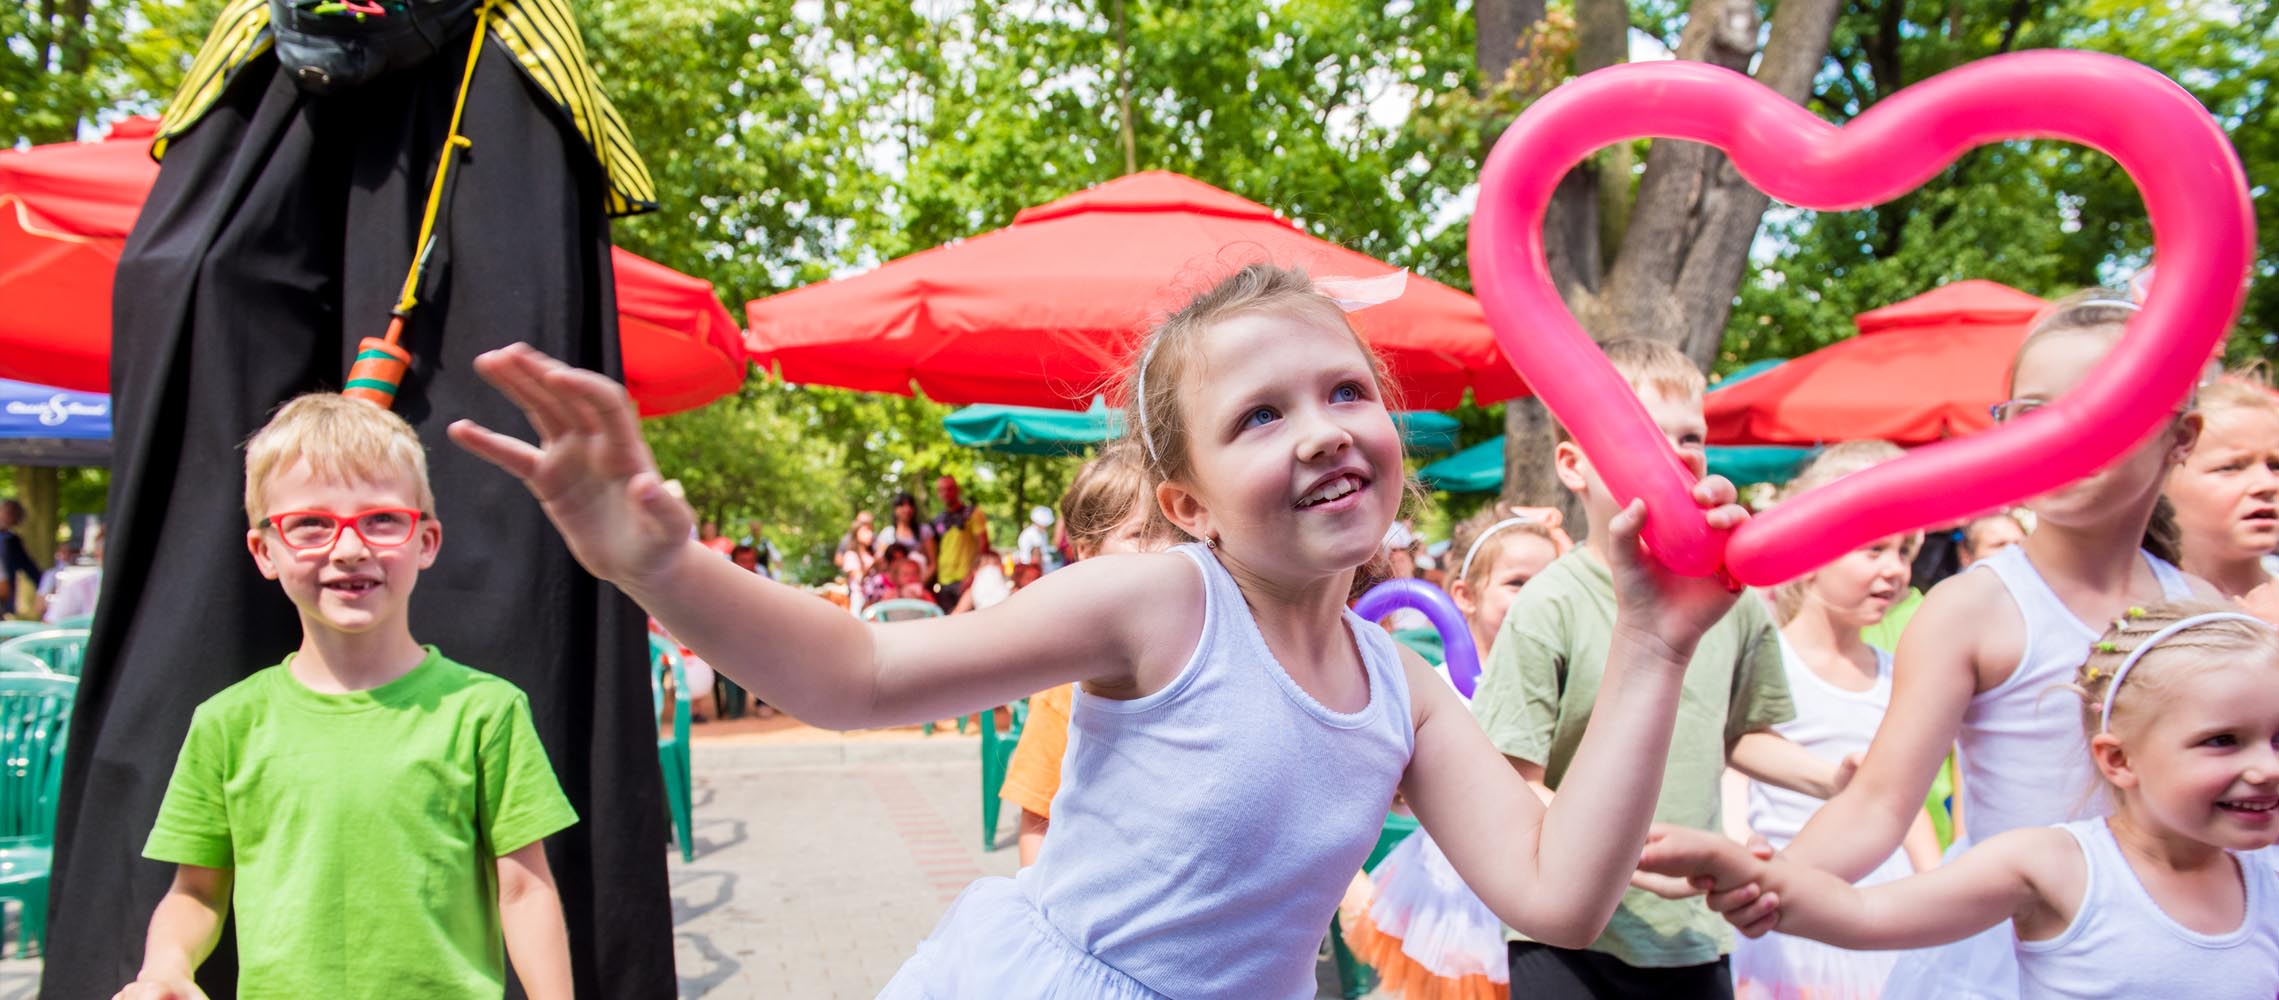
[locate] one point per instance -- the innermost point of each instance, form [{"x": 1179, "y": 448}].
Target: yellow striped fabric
[{"x": 539, "y": 33}]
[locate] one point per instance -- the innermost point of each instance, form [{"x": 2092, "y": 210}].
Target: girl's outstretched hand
[
  {"x": 591, "y": 470},
  {"x": 1655, "y": 603}
]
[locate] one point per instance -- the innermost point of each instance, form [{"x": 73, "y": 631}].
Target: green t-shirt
[
  {"x": 363, "y": 828},
  {"x": 1535, "y": 696}
]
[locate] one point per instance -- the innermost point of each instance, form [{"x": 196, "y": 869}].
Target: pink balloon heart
[{"x": 2203, "y": 235}]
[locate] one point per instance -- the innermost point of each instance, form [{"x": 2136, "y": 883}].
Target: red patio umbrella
[
  {"x": 65, "y": 211},
  {"x": 1919, "y": 371},
  {"x": 1045, "y": 312}
]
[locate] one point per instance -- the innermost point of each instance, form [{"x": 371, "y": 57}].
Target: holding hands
[{"x": 590, "y": 470}]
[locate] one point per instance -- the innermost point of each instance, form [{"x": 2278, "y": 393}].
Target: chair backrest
[
  {"x": 77, "y": 621},
  {"x": 62, "y": 649},
  {"x": 11, "y": 628},
  {"x": 12, "y": 662},
  {"x": 664, "y": 657},
  {"x": 35, "y": 718},
  {"x": 901, "y": 609}
]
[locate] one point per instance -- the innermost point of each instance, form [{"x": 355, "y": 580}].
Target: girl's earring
[{"x": 1210, "y": 541}]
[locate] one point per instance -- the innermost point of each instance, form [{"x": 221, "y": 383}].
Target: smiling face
[
  {"x": 350, "y": 586},
  {"x": 2227, "y": 492},
  {"x": 2202, "y": 760},
  {"x": 1294, "y": 465}
]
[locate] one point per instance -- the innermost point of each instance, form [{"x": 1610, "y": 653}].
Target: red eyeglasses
[{"x": 380, "y": 527}]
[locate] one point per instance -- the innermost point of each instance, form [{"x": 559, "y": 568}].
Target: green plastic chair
[
  {"x": 35, "y": 716},
  {"x": 996, "y": 756},
  {"x": 1354, "y": 977},
  {"x": 62, "y": 649},
  {"x": 12, "y": 662},
  {"x": 902, "y": 609},
  {"x": 672, "y": 751},
  {"x": 11, "y": 628},
  {"x": 77, "y": 621}
]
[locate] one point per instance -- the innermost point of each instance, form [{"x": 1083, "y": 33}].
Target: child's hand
[
  {"x": 161, "y": 988},
  {"x": 591, "y": 470},
  {"x": 1705, "y": 861},
  {"x": 1652, "y": 601}
]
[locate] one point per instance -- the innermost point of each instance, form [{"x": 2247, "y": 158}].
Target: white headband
[
  {"x": 2109, "y": 304},
  {"x": 2105, "y": 717}
]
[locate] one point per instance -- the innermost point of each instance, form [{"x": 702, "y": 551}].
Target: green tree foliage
[{"x": 2045, "y": 217}]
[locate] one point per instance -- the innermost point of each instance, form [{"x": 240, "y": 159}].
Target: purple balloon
[{"x": 1455, "y": 633}]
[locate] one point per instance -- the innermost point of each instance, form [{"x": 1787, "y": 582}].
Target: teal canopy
[
  {"x": 1023, "y": 430},
  {"x": 1026, "y": 430},
  {"x": 1480, "y": 468}
]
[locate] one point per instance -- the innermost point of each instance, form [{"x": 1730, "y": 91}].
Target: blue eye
[
  {"x": 1347, "y": 393},
  {"x": 1259, "y": 416}
]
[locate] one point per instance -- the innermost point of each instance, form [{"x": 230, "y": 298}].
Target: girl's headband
[
  {"x": 1547, "y": 517},
  {"x": 2105, "y": 717},
  {"x": 1350, "y": 294}
]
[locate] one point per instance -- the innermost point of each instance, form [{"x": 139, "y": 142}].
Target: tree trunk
[{"x": 1695, "y": 219}]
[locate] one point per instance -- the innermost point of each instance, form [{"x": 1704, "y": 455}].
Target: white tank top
[
  {"x": 1203, "y": 834},
  {"x": 2024, "y": 759},
  {"x": 1830, "y": 722},
  {"x": 2121, "y": 944}
]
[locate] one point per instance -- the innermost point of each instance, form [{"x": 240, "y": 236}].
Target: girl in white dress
[
  {"x": 1239, "y": 734},
  {"x": 1841, "y": 687}
]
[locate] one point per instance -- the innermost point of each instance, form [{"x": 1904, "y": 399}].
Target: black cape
[{"x": 277, "y": 237}]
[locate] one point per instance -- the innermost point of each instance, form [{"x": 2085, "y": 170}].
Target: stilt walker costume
[{"x": 299, "y": 157}]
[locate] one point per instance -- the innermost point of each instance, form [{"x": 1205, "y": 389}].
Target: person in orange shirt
[{"x": 1109, "y": 510}]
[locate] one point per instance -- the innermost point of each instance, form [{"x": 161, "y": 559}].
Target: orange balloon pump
[{"x": 379, "y": 368}]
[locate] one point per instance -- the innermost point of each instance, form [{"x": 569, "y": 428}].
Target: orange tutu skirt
[{"x": 1426, "y": 934}]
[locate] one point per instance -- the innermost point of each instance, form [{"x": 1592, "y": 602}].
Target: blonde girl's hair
[
  {"x": 2097, "y": 309},
  {"x": 1104, "y": 494},
  {"x": 2203, "y": 645},
  {"x": 2248, "y": 388},
  {"x": 1831, "y": 464},
  {"x": 339, "y": 439}
]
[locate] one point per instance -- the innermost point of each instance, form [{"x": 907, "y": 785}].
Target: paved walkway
[{"x": 821, "y": 859}]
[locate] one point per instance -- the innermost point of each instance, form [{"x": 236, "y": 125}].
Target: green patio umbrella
[
  {"x": 1023, "y": 430},
  {"x": 1028, "y": 430},
  {"x": 1480, "y": 468}
]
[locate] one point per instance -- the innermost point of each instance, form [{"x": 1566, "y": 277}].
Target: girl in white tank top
[
  {"x": 1239, "y": 735},
  {"x": 2160, "y": 899}
]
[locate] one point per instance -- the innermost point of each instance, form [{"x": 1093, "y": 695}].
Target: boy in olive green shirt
[
  {"x": 1541, "y": 679},
  {"x": 373, "y": 812}
]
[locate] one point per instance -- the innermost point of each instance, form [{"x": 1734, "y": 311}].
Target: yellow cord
[{"x": 451, "y": 144}]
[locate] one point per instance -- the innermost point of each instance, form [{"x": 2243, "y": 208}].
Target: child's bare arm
[
  {"x": 2020, "y": 875},
  {"x": 1557, "y": 873},
  {"x": 530, "y": 914},
  {"x": 1102, "y": 619},
  {"x": 1776, "y": 760},
  {"x": 182, "y": 933}
]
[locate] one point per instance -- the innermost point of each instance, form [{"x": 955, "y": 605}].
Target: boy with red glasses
[{"x": 374, "y": 812}]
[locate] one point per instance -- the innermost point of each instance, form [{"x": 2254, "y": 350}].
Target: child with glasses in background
[{"x": 372, "y": 812}]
